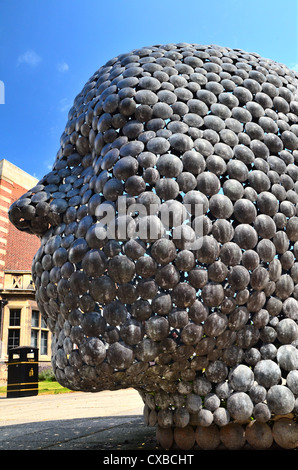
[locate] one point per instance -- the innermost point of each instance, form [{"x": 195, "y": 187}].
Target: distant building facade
[{"x": 21, "y": 323}]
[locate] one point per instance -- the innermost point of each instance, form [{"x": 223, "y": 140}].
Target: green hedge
[{"x": 46, "y": 374}]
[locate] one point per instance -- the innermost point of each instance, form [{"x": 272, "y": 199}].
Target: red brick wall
[
  {"x": 16, "y": 248},
  {"x": 5, "y": 198}
]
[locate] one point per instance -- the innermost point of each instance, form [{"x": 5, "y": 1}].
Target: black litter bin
[{"x": 22, "y": 378}]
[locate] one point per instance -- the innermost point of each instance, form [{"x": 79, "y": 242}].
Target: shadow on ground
[{"x": 108, "y": 433}]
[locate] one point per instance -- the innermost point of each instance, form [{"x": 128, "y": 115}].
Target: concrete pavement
[
  {"x": 105, "y": 421},
  {"x": 75, "y": 421},
  {"x": 70, "y": 406}
]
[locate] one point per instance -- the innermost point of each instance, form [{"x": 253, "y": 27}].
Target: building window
[
  {"x": 34, "y": 338},
  {"x": 44, "y": 343},
  {"x": 39, "y": 333},
  {"x": 13, "y": 338},
  {"x": 15, "y": 317},
  {"x": 35, "y": 319},
  {"x": 14, "y": 333}
]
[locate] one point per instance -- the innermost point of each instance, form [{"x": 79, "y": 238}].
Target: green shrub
[{"x": 46, "y": 374}]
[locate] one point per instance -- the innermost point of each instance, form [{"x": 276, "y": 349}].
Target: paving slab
[
  {"x": 75, "y": 421},
  {"x": 110, "y": 423},
  {"x": 70, "y": 406},
  {"x": 114, "y": 433}
]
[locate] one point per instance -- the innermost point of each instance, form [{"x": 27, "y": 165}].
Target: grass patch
[
  {"x": 51, "y": 387},
  {"x": 47, "y": 384},
  {"x": 45, "y": 387}
]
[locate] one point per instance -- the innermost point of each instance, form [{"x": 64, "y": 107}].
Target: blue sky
[{"x": 49, "y": 49}]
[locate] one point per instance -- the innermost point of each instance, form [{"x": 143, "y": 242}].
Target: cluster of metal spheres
[{"x": 169, "y": 241}]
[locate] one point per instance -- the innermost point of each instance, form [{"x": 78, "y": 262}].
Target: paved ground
[
  {"x": 75, "y": 421},
  {"x": 108, "y": 422}
]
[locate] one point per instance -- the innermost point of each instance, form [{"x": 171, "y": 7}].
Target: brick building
[{"x": 21, "y": 323}]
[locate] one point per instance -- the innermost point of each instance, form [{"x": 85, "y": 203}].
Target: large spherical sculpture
[{"x": 169, "y": 243}]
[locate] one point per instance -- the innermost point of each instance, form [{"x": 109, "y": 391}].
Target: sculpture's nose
[
  {"x": 58, "y": 193},
  {"x": 31, "y": 212},
  {"x": 44, "y": 205}
]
